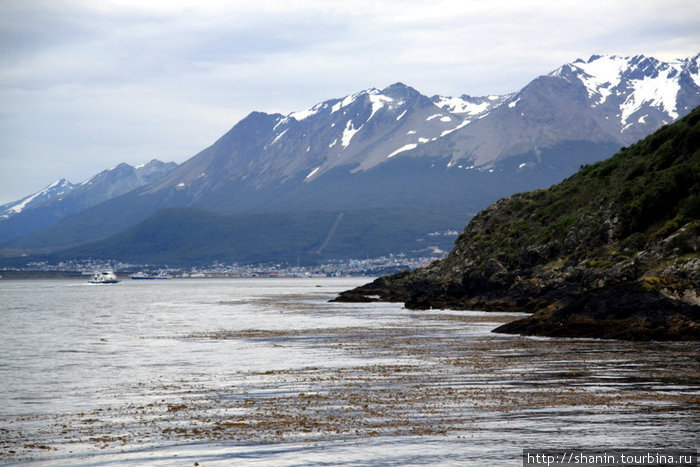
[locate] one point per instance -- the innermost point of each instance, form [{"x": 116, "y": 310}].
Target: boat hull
[{"x": 106, "y": 277}]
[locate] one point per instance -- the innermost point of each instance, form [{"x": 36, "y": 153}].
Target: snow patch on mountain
[
  {"x": 19, "y": 207},
  {"x": 378, "y": 101},
  {"x": 406, "y": 147},
  {"x": 52, "y": 191},
  {"x": 461, "y": 106},
  {"x": 313, "y": 172},
  {"x": 468, "y": 106},
  {"x": 461, "y": 125},
  {"x": 660, "y": 91},
  {"x": 304, "y": 114},
  {"x": 280, "y": 122},
  {"x": 348, "y": 100},
  {"x": 277, "y": 138},
  {"x": 601, "y": 74},
  {"x": 348, "y": 133}
]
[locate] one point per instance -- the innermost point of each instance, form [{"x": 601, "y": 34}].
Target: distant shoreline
[
  {"x": 68, "y": 275},
  {"x": 23, "y": 275}
]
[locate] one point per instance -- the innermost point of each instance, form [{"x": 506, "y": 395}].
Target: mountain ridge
[
  {"x": 395, "y": 148},
  {"x": 63, "y": 198}
]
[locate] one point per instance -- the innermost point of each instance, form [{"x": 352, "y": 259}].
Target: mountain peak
[
  {"x": 119, "y": 167},
  {"x": 62, "y": 182},
  {"x": 469, "y": 106},
  {"x": 62, "y": 198},
  {"x": 398, "y": 84},
  {"x": 152, "y": 162},
  {"x": 153, "y": 170},
  {"x": 45, "y": 195},
  {"x": 398, "y": 92},
  {"x": 399, "y": 88}
]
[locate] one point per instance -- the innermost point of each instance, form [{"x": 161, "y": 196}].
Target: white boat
[
  {"x": 104, "y": 277},
  {"x": 143, "y": 276}
]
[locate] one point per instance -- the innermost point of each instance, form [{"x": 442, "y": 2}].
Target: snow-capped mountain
[
  {"x": 398, "y": 149},
  {"x": 51, "y": 192},
  {"x": 583, "y": 111},
  {"x": 640, "y": 91},
  {"x": 606, "y": 99},
  {"x": 63, "y": 198},
  {"x": 603, "y": 100},
  {"x": 357, "y": 132},
  {"x": 119, "y": 180}
]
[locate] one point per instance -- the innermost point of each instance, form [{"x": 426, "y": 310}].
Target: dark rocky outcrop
[{"x": 611, "y": 252}]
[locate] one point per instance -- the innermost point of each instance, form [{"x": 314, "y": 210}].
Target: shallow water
[{"x": 267, "y": 372}]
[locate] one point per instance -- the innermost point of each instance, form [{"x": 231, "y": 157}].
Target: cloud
[{"x": 86, "y": 85}]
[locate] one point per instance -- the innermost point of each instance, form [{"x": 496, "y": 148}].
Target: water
[{"x": 267, "y": 372}]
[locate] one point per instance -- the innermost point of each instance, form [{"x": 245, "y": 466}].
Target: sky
[{"x": 86, "y": 84}]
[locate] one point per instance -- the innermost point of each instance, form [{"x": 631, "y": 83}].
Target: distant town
[{"x": 349, "y": 267}]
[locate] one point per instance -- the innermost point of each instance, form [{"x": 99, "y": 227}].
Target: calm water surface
[{"x": 267, "y": 372}]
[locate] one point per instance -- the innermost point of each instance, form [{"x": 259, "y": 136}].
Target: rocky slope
[{"x": 611, "y": 252}]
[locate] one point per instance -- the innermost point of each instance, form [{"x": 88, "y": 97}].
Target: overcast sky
[{"x": 85, "y": 85}]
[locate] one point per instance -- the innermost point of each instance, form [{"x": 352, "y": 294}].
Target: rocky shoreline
[
  {"x": 612, "y": 252},
  {"x": 615, "y": 312}
]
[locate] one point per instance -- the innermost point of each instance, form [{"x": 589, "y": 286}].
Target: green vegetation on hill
[{"x": 610, "y": 209}]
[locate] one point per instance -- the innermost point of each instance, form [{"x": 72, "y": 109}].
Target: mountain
[
  {"x": 396, "y": 149},
  {"x": 45, "y": 196},
  {"x": 613, "y": 251},
  {"x": 338, "y": 141},
  {"x": 604, "y": 100},
  {"x": 62, "y": 198}
]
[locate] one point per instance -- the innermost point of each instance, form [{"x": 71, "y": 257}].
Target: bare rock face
[{"x": 611, "y": 252}]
